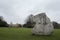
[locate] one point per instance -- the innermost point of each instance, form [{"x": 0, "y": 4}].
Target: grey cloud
[
  {"x": 18, "y": 10},
  {"x": 54, "y": 5}
]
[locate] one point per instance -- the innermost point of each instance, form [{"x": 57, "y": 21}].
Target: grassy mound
[{"x": 25, "y": 34}]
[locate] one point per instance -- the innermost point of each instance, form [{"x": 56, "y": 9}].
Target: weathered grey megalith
[{"x": 42, "y": 26}]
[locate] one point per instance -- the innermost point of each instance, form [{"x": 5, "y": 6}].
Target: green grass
[{"x": 25, "y": 34}]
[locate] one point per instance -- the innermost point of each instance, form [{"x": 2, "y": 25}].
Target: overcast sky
[{"x": 16, "y": 11}]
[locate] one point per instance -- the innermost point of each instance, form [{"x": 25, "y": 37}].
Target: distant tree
[
  {"x": 29, "y": 22},
  {"x": 2, "y": 22},
  {"x": 1, "y": 18},
  {"x": 56, "y": 25},
  {"x": 19, "y": 25}
]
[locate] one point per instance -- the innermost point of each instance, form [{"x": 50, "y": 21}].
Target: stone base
[{"x": 43, "y": 29}]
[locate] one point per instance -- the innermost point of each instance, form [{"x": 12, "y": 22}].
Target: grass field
[{"x": 25, "y": 34}]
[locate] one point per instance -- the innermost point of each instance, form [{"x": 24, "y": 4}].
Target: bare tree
[
  {"x": 2, "y": 22},
  {"x": 29, "y": 21},
  {"x": 1, "y": 18}
]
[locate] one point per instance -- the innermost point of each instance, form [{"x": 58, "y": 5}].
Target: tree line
[{"x": 28, "y": 23}]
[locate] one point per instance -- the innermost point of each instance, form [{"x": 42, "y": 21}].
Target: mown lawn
[{"x": 25, "y": 34}]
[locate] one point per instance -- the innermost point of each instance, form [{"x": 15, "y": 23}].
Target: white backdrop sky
[{"x": 16, "y": 11}]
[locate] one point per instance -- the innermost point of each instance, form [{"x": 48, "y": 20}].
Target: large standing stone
[{"x": 42, "y": 26}]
